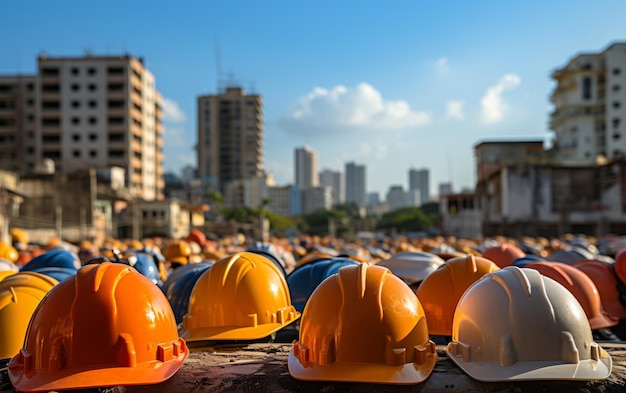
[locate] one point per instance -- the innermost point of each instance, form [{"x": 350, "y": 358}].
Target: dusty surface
[{"x": 263, "y": 368}]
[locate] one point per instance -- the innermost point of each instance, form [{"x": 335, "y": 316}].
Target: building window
[
  {"x": 51, "y": 121},
  {"x": 616, "y": 153},
  {"x": 30, "y": 102},
  {"x": 50, "y": 88},
  {"x": 50, "y": 105},
  {"x": 76, "y": 153},
  {"x": 75, "y": 71},
  {"x": 76, "y": 137},
  {"x": 91, "y": 71},
  {"x": 616, "y": 122},
  {"x": 116, "y": 137},
  {"x": 116, "y": 120},
  {"x": 92, "y": 120},
  {"x": 616, "y": 104},
  {"x": 93, "y": 103},
  {"x": 586, "y": 88},
  {"x": 616, "y": 88},
  {"x": 617, "y": 135},
  {"x": 116, "y": 87},
  {"x": 116, "y": 70},
  {"x": 93, "y": 137},
  {"x": 75, "y": 87},
  {"x": 114, "y": 104},
  {"x": 46, "y": 71},
  {"x": 617, "y": 71},
  {"x": 92, "y": 87},
  {"x": 75, "y": 104},
  {"x": 93, "y": 153},
  {"x": 30, "y": 87},
  {"x": 75, "y": 121},
  {"x": 116, "y": 154}
]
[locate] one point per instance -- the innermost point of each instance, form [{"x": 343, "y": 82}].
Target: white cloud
[
  {"x": 442, "y": 65},
  {"x": 367, "y": 151},
  {"x": 171, "y": 112},
  {"x": 493, "y": 105},
  {"x": 175, "y": 137},
  {"x": 454, "y": 109},
  {"x": 343, "y": 108}
]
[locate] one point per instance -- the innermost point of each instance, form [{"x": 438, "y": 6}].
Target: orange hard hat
[
  {"x": 242, "y": 297},
  {"x": 503, "y": 255},
  {"x": 178, "y": 252},
  {"x": 106, "y": 326},
  {"x": 311, "y": 257},
  {"x": 581, "y": 286},
  {"x": 363, "y": 324},
  {"x": 601, "y": 273},
  {"x": 441, "y": 290},
  {"x": 620, "y": 267},
  {"x": 196, "y": 236},
  {"x": 8, "y": 252}
]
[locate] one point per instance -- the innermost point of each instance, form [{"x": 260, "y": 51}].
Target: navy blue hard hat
[
  {"x": 53, "y": 258},
  {"x": 303, "y": 280},
  {"x": 269, "y": 252},
  {"x": 179, "y": 292},
  {"x": 525, "y": 260},
  {"x": 58, "y": 273},
  {"x": 146, "y": 266}
]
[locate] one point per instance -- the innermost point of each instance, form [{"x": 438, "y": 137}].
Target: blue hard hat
[
  {"x": 303, "y": 280},
  {"x": 525, "y": 260},
  {"x": 145, "y": 265},
  {"x": 58, "y": 273},
  {"x": 53, "y": 258},
  {"x": 179, "y": 292}
]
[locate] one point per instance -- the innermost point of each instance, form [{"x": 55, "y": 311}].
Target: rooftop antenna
[{"x": 218, "y": 65}]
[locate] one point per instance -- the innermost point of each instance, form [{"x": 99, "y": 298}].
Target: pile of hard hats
[{"x": 505, "y": 310}]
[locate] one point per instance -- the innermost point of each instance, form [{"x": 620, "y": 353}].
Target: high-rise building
[
  {"x": 419, "y": 179},
  {"x": 91, "y": 111},
  {"x": 396, "y": 198},
  {"x": 305, "y": 160},
  {"x": 355, "y": 184},
  {"x": 230, "y": 137},
  {"x": 589, "y": 116},
  {"x": 334, "y": 180},
  {"x": 18, "y": 110}
]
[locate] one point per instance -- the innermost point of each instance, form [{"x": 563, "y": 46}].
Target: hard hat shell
[
  {"x": 180, "y": 292},
  {"x": 620, "y": 267},
  {"x": 197, "y": 236},
  {"x": 601, "y": 273},
  {"x": 242, "y": 297},
  {"x": 6, "y": 273},
  {"x": 272, "y": 256},
  {"x": 58, "y": 273},
  {"x": 8, "y": 252},
  {"x": 525, "y": 260},
  {"x": 363, "y": 324},
  {"x": 517, "y": 324},
  {"x": 6, "y": 265},
  {"x": 412, "y": 267},
  {"x": 178, "y": 252},
  {"x": 108, "y": 326},
  {"x": 303, "y": 280},
  {"x": 176, "y": 274},
  {"x": 20, "y": 294},
  {"x": 19, "y": 235},
  {"x": 56, "y": 257},
  {"x": 583, "y": 289},
  {"x": 440, "y": 292},
  {"x": 504, "y": 254},
  {"x": 145, "y": 265},
  {"x": 570, "y": 256}
]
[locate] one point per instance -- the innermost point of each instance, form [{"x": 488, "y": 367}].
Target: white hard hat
[
  {"x": 8, "y": 266},
  {"x": 515, "y": 324},
  {"x": 412, "y": 267}
]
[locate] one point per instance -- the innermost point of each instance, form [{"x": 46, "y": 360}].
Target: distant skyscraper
[
  {"x": 419, "y": 179},
  {"x": 230, "y": 137},
  {"x": 355, "y": 184},
  {"x": 396, "y": 198},
  {"x": 334, "y": 180},
  {"x": 305, "y": 160}
]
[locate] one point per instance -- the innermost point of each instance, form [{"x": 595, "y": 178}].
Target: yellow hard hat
[
  {"x": 363, "y": 324},
  {"x": 242, "y": 297},
  {"x": 20, "y": 294}
]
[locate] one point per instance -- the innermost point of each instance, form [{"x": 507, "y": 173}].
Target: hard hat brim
[
  {"x": 407, "y": 374},
  {"x": 233, "y": 332},
  {"x": 144, "y": 373},
  {"x": 585, "y": 370}
]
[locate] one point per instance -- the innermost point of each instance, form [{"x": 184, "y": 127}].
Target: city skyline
[{"x": 393, "y": 88}]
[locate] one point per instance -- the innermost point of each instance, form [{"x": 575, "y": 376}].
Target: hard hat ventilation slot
[
  {"x": 328, "y": 353},
  {"x": 569, "y": 352},
  {"x": 421, "y": 354},
  {"x": 126, "y": 355},
  {"x": 595, "y": 352},
  {"x": 508, "y": 356}
]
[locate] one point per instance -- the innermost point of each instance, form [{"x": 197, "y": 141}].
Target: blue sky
[{"x": 393, "y": 85}]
